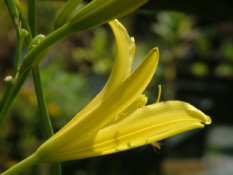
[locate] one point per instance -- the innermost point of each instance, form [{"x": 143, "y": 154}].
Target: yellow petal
[
  {"x": 138, "y": 103},
  {"x": 147, "y": 125},
  {"x": 125, "y": 49},
  {"x": 124, "y": 95},
  {"x": 87, "y": 126}
]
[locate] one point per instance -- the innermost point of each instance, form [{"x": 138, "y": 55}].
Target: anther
[
  {"x": 139, "y": 105},
  {"x": 121, "y": 115},
  {"x": 156, "y": 146}
]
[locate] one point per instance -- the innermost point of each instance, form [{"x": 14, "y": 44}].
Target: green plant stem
[
  {"x": 56, "y": 167},
  {"x": 8, "y": 89},
  {"x": 24, "y": 22},
  {"x": 19, "y": 46},
  {"x": 13, "y": 12},
  {"x": 14, "y": 89},
  {"x": 41, "y": 102},
  {"x": 21, "y": 166},
  {"x": 21, "y": 34},
  {"x": 27, "y": 64},
  {"x": 32, "y": 55},
  {"x": 32, "y": 17}
]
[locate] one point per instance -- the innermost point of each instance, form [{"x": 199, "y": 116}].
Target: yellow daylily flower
[{"x": 118, "y": 118}]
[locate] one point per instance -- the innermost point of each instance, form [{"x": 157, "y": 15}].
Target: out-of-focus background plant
[{"x": 196, "y": 66}]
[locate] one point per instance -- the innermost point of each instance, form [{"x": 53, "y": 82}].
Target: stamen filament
[{"x": 159, "y": 94}]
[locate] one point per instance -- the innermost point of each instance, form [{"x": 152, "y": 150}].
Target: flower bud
[{"x": 99, "y": 12}]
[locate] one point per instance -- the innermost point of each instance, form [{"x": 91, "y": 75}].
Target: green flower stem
[
  {"x": 24, "y": 22},
  {"x": 23, "y": 165},
  {"x": 21, "y": 34},
  {"x": 27, "y": 64},
  {"x": 8, "y": 88},
  {"x": 11, "y": 93},
  {"x": 13, "y": 12},
  {"x": 41, "y": 102},
  {"x": 52, "y": 38},
  {"x": 56, "y": 167},
  {"x": 19, "y": 46},
  {"x": 32, "y": 17}
]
